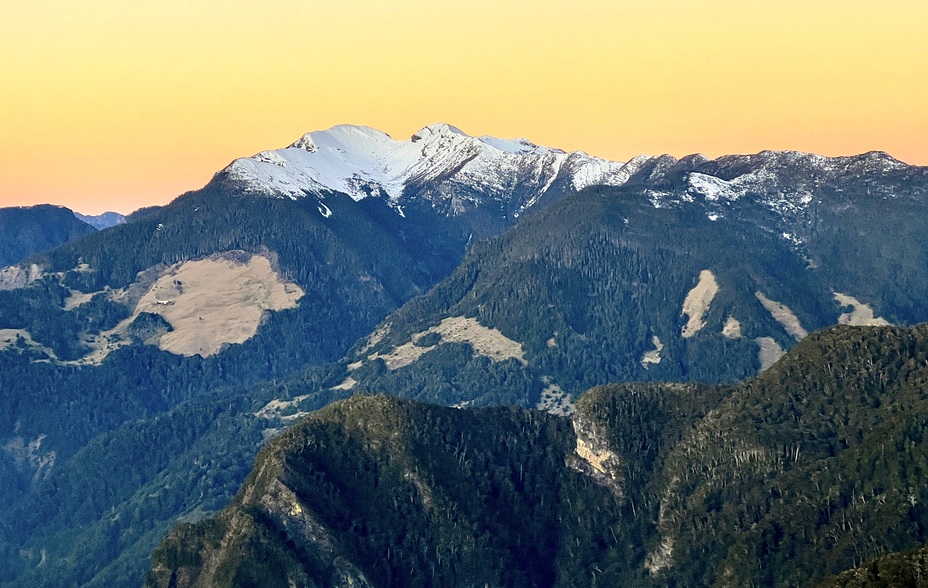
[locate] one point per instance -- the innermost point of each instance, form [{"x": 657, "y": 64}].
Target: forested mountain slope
[
  {"x": 809, "y": 469},
  {"x": 28, "y": 230},
  {"x": 214, "y": 290},
  {"x": 675, "y": 275}
]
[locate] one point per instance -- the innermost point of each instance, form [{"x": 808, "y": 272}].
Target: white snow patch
[
  {"x": 271, "y": 157},
  {"x": 591, "y": 171},
  {"x": 791, "y": 238},
  {"x": 509, "y": 145},
  {"x": 657, "y": 198},
  {"x": 697, "y": 303},
  {"x": 711, "y": 187},
  {"x": 360, "y": 161}
]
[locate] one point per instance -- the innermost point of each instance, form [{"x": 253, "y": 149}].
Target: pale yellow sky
[{"x": 114, "y": 105}]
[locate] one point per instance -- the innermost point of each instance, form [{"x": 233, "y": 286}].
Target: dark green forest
[
  {"x": 811, "y": 469},
  {"x": 25, "y": 231}
]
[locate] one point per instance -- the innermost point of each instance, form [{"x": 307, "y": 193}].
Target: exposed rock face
[
  {"x": 583, "y": 290},
  {"x": 16, "y": 276},
  {"x": 597, "y": 459}
]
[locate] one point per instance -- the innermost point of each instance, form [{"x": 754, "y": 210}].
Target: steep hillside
[
  {"x": 665, "y": 278},
  {"x": 896, "y": 570},
  {"x": 378, "y": 491},
  {"x": 213, "y": 290},
  {"x": 805, "y": 471},
  {"x": 28, "y": 230},
  {"x": 95, "y": 517}
]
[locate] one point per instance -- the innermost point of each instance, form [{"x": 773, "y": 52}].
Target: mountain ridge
[
  {"x": 783, "y": 480},
  {"x": 103, "y": 220},
  {"x": 28, "y": 230},
  {"x": 361, "y": 161}
]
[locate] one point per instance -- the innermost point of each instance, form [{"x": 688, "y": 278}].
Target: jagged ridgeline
[
  {"x": 813, "y": 468},
  {"x": 381, "y": 491},
  {"x": 678, "y": 274}
]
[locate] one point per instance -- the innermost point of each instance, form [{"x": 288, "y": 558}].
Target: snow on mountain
[
  {"x": 102, "y": 221},
  {"x": 455, "y": 173},
  {"x": 789, "y": 184},
  {"x": 361, "y": 162}
]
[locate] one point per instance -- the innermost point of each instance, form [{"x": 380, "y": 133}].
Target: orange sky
[{"x": 109, "y": 105}]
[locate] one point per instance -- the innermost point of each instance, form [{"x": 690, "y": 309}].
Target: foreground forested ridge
[{"x": 810, "y": 469}]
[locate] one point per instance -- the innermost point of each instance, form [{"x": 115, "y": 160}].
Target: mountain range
[
  {"x": 102, "y": 221},
  {"x": 457, "y": 270}
]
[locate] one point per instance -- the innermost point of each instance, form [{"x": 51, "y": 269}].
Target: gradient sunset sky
[{"x": 114, "y": 105}]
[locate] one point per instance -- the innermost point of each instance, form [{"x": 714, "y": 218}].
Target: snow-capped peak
[
  {"x": 361, "y": 162},
  {"x": 305, "y": 143},
  {"x": 437, "y": 130}
]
